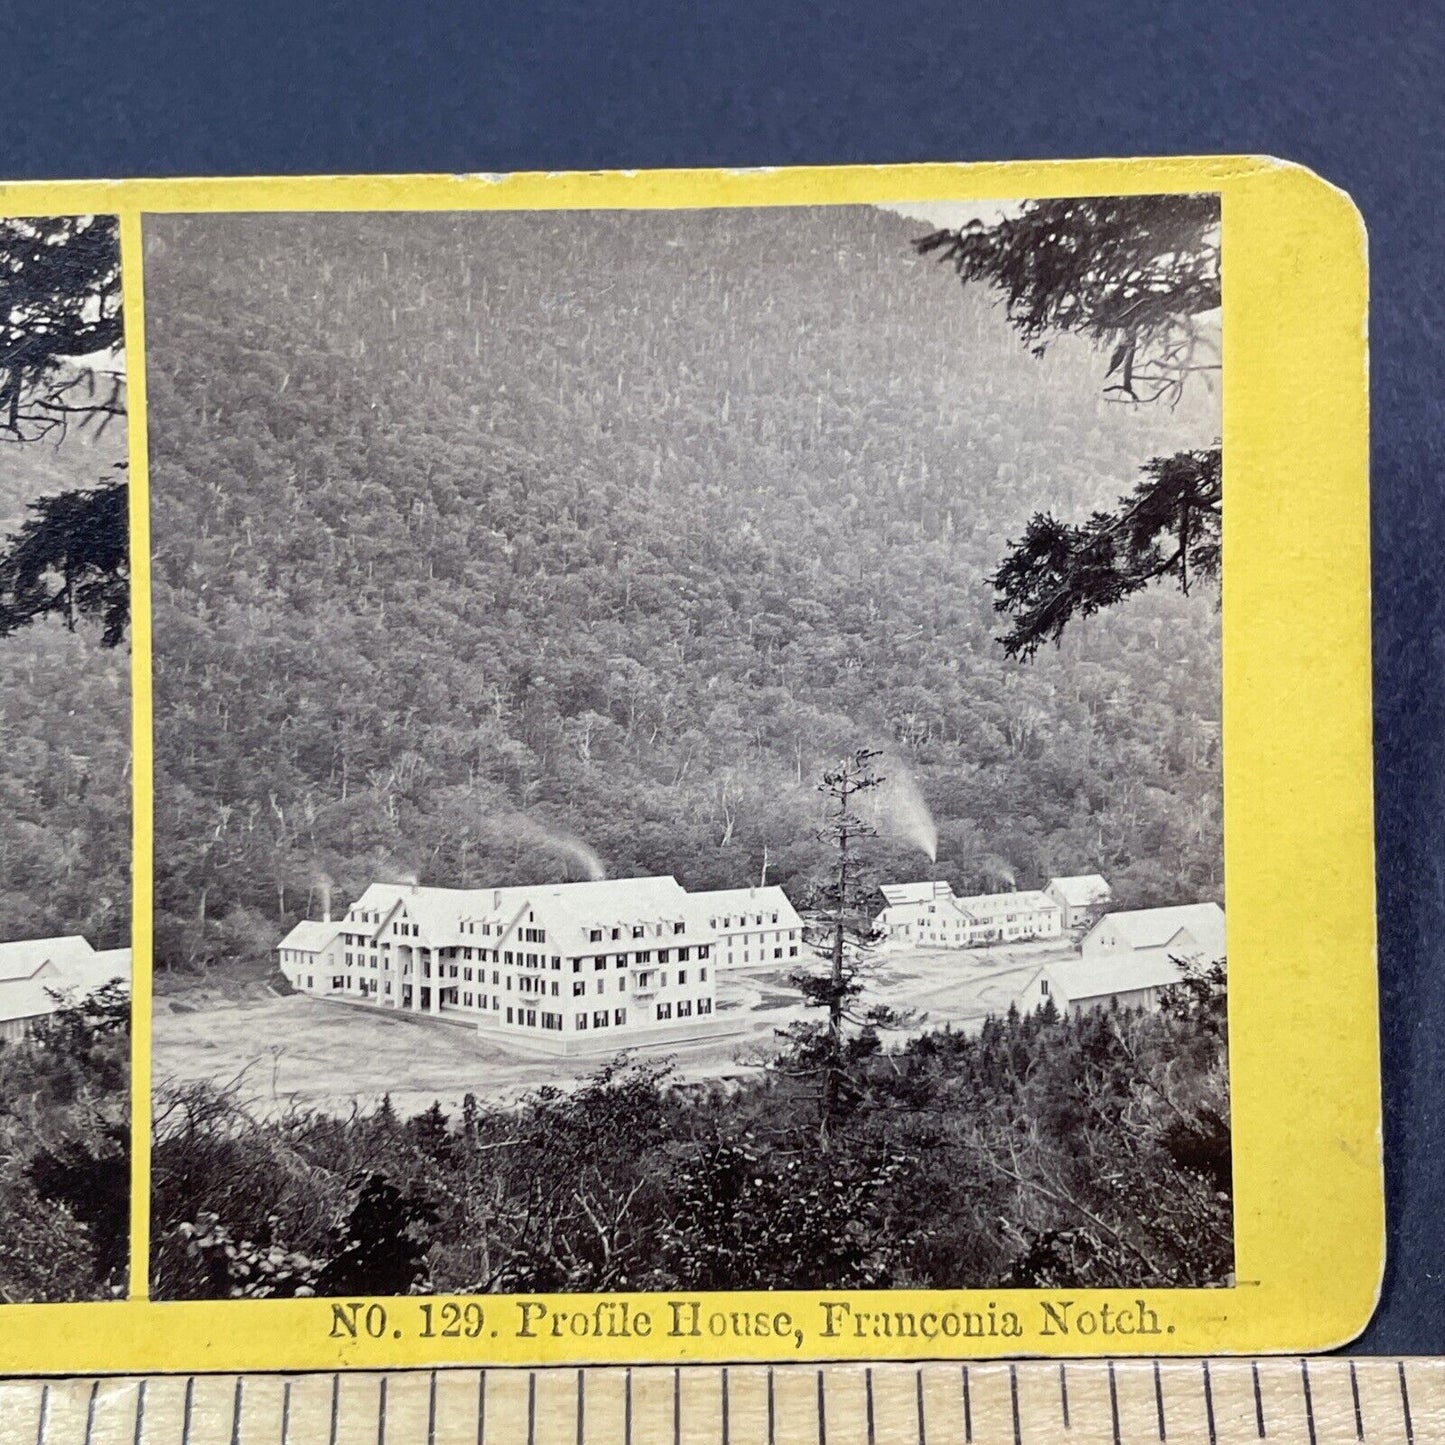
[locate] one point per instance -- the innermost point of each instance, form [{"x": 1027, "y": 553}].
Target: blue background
[{"x": 1354, "y": 91}]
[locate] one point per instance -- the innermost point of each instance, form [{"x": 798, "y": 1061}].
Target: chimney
[
  {"x": 326, "y": 912},
  {"x": 496, "y": 900}
]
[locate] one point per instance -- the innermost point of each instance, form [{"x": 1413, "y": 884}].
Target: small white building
[
  {"x": 1188, "y": 931},
  {"x": 1128, "y": 959},
  {"x": 929, "y": 915},
  {"x": 1108, "y": 981},
  {"x": 1080, "y": 896},
  {"x": 565, "y": 967},
  {"x": 39, "y": 975}
]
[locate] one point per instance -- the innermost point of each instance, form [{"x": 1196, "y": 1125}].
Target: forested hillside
[
  {"x": 483, "y": 541},
  {"x": 65, "y": 779}
]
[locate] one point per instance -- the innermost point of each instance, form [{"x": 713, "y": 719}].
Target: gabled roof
[
  {"x": 1112, "y": 973},
  {"x": 310, "y": 936},
  {"x": 75, "y": 973},
  {"x": 898, "y": 893},
  {"x": 22, "y": 957},
  {"x": 718, "y": 903},
  {"x": 993, "y": 902},
  {"x": 1158, "y": 927},
  {"x": 1081, "y": 889}
]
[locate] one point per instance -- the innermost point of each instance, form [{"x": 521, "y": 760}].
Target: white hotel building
[
  {"x": 929, "y": 915},
  {"x": 563, "y": 966}
]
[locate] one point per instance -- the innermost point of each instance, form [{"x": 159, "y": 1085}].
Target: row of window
[
  {"x": 762, "y": 954},
  {"x": 684, "y": 1008}
]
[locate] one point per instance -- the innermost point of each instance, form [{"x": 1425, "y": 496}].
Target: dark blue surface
[{"x": 1351, "y": 90}]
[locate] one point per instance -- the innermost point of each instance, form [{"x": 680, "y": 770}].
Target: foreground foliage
[
  {"x": 64, "y": 1154},
  {"x": 1045, "y": 1150}
]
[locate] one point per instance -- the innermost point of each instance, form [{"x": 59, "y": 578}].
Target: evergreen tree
[{"x": 1138, "y": 275}]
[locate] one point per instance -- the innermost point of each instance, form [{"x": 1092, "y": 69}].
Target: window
[
  {"x": 616, "y": 934},
  {"x": 496, "y": 978},
  {"x": 467, "y": 975},
  {"x": 580, "y": 1021},
  {"x": 619, "y": 1016},
  {"x": 777, "y": 953},
  {"x": 702, "y": 975},
  {"x": 704, "y": 1005},
  {"x": 663, "y": 954},
  {"x": 702, "y": 950},
  {"x": 638, "y": 931},
  {"x": 509, "y": 983},
  {"x": 467, "y": 1000},
  {"x": 601, "y": 985},
  {"x": 509, "y": 1016},
  {"x": 678, "y": 927},
  {"x": 579, "y": 987},
  {"x": 594, "y": 935},
  {"x": 576, "y": 965},
  {"x": 340, "y": 982},
  {"x": 664, "y": 1010},
  {"x": 775, "y": 918},
  {"x": 682, "y": 975},
  {"x": 599, "y": 963},
  {"x": 599, "y": 1019},
  {"x": 622, "y": 984},
  {"x": 662, "y": 982},
  {"x": 531, "y": 1018},
  {"x": 682, "y": 954},
  {"x": 684, "y": 1009},
  {"x": 793, "y": 951}
]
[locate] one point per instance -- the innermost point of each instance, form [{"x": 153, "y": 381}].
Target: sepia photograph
[
  {"x": 65, "y": 764},
  {"x": 687, "y": 748}
]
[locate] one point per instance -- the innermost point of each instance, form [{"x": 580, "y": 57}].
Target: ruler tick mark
[
  {"x": 45, "y": 1414},
  {"x": 676, "y": 1406},
  {"x": 482, "y": 1407},
  {"x": 531, "y": 1407},
  {"x": 627, "y": 1409},
  {"x": 90, "y": 1411},
  {"x": 822, "y": 1413},
  {"x": 1209, "y": 1402},
  {"x": 1304, "y": 1374},
  {"x": 1064, "y": 1395},
  {"x": 1405, "y": 1402},
  {"x": 581, "y": 1407},
  {"x": 868, "y": 1403},
  {"x": 1159, "y": 1401},
  {"x": 1113, "y": 1403},
  {"x": 1355, "y": 1396},
  {"x": 918, "y": 1398},
  {"x": 967, "y": 1411},
  {"x": 335, "y": 1406},
  {"x": 431, "y": 1410},
  {"x": 381, "y": 1413},
  {"x": 236, "y": 1411},
  {"x": 185, "y": 1410},
  {"x": 1013, "y": 1391},
  {"x": 140, "y": 1414},
  {"x": 286, "y": 1413},
  {"x": 1258, "y": 1399},
  {"x": 772, "y": 1417},
  {"x": 726, "y": 1426}
]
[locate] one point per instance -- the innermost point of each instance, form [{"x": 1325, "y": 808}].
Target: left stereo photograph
[{"x": 65, "y": 763}]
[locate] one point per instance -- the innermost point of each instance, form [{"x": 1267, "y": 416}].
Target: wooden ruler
[{"x": 1214, "y": 1402}]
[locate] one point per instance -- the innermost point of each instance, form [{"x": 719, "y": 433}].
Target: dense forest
[
  {"x": 1044, "y": 1151},
  {"x": 485, "y": 541},
  {"x": 65, "y": 807}
]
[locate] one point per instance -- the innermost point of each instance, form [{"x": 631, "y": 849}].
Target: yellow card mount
[{"x": 763, "y": 770}]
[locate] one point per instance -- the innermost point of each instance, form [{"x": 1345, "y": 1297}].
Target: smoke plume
[{"x": 902, "y": 812}]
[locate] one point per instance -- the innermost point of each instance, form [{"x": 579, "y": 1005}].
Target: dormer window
[{"x": 594, "y": 935}]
